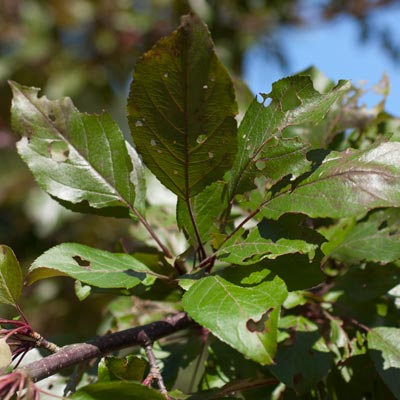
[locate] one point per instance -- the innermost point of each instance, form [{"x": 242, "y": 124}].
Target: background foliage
[{"x": 88, "y": 51}]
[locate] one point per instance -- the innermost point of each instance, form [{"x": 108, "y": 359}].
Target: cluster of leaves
[{"x": 291, "y": 265}]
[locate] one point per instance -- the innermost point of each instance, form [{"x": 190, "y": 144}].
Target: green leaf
[
  {"x": 82, "y": 291},
  {"x": 333, "y": 124},
  {"x": 364, "y": 290},
  {"x": 280, "y": 157},
  {"x": 335, "y": 233},
  {"x": 244, "y": 317},
  {"x": 207, "y": 208},
  {"x": 91, "y": 266},
  {"x": 117, "y": 390},
  {"x": 384, "y": 349},
  {"x": 130, "y": 368},
  {"x": 346, "y": 184},
  {"x": 294, "y": 101},
  {"x": 181, "y": 110},
  {"x": 269, "y": 239},
  {"x": 79, "y": 159},
  {"x": 376, "y": 239},
  {"x": 255, "y": 248},
  {"x": 304, "y": 363},
  {"x": 11, "y": 280}
]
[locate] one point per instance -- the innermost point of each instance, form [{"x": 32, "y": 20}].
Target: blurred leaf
[
  {"x": 320, "y": 81},
  {"x": 375, "y": 239},
  {"x": 346, "y": 184},
  {"x": 129, "y": 368},
  {"x": 118, "y": 390},
  {"x": 181, "y": 110},
  {"x": 185, "y": 365},
  {"x": 82, "y": 291},
  {"x": 5, "y": 354},
  {"x": 11, "y": 279},
  {"x": 91, "y": 266},
  {"x": 384, "y": 349},
  {"x": 244, "y": 317},
  {"x": 244, "y": 96},
  {"x": 294, "y": 101},
  {"x": 77, "y": 158}
]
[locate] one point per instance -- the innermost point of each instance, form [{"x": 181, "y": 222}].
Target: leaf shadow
[{"x": 299, "y": 364}]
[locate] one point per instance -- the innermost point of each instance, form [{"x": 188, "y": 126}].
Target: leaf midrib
[{"x": 60, "y": 135}]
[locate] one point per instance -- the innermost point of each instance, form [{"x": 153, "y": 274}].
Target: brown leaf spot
[
  {"x": 82, "y": 262},
  {"x": 260, "y": 325},
  {"x": 58, "y": 150},
  {"x": 297, "y": 378}
]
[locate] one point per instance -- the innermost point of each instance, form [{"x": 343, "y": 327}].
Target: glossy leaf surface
[
  {"x": 244, "y": 317},
  {"x": 77, "y": 158},
  {"x": 181, "y": 110},
  {"x": 346, "y": 184}
]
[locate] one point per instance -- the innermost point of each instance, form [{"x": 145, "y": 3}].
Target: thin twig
[
  {"x": 40, "y": 341},
  {"x": 149, "y": 229},
  {"x": 200, "y": 359},
  {"x": 201, "y": 249},
  {"x": 155, "y": 372},
  {"x": 76, "y": 353},
  {"x": 212, "y": 256}
]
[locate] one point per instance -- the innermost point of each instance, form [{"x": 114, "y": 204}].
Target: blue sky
[{"x": 335, "y": 49}]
